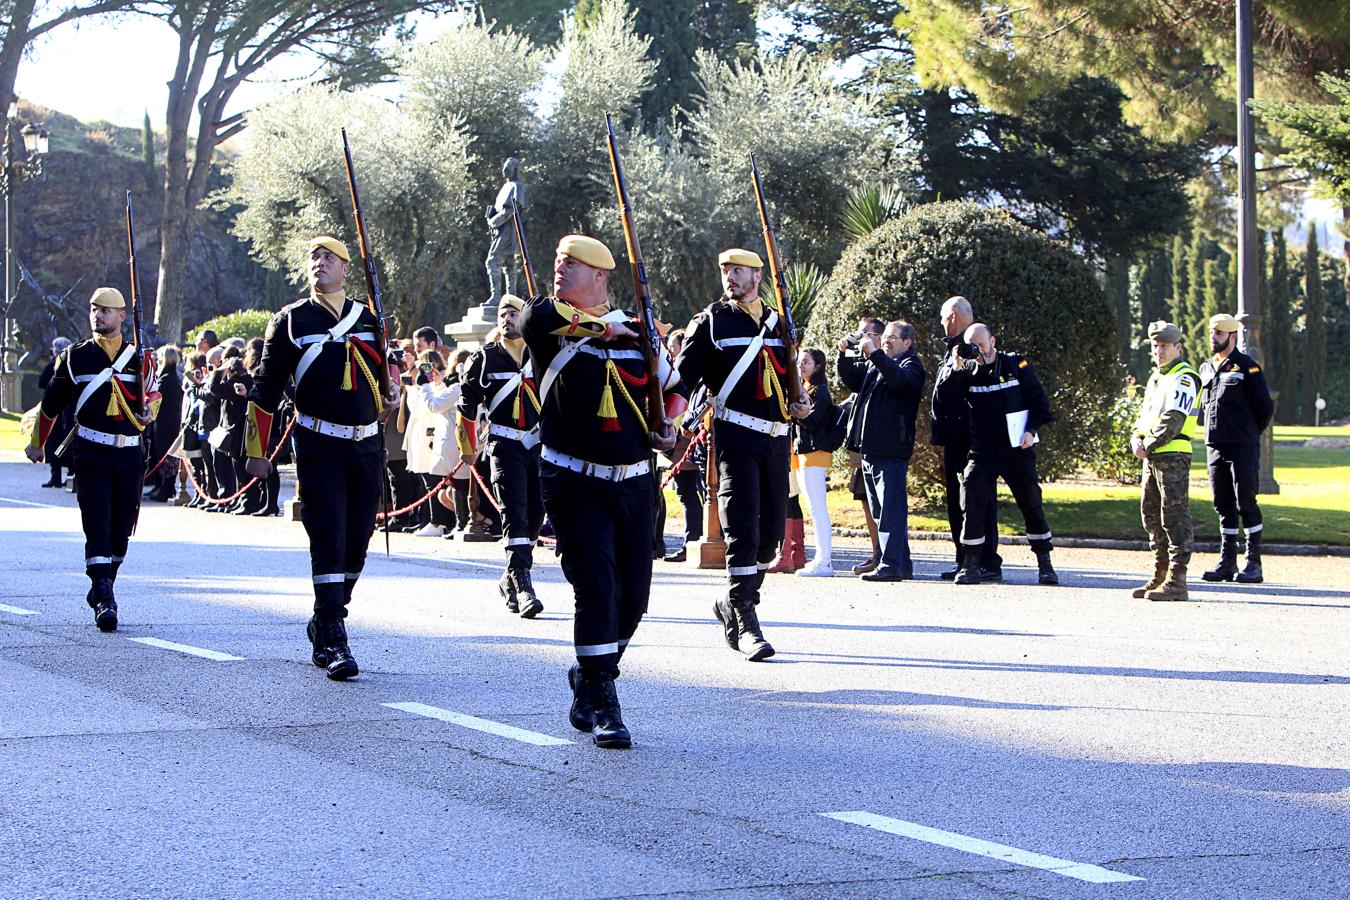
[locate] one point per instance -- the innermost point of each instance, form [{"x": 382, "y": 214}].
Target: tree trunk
[
  {"x": 1345, "y": 246},
  {"x": 11, "y": 52}
]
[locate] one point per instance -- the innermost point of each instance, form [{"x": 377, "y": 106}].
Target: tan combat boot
[
  {"x": 1159, "y": 576},
  {"x": 1174, "y": 588}
]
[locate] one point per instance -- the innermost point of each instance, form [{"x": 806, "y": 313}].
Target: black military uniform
[
  {"x": 98, "y": 379},
  {"x": 751, "y": 433},
  {"x": 951, "y": 432},
  {"x": 1237, "y": 407},
  {"x": 333, "y": 363},
  {"x": 595, "y": 477},
  {"x": 998, "y": 395},
  {"x": 506, "y": 394}
]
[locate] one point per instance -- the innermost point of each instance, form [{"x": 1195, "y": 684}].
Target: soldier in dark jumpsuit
[
  {"x": 499, "y": 384},
  {"x": 1005, "y": 396},
  {"x": 1237, "y": 408},
  {"x": 595, "y": 469},
  {"x": 733, "y": 348},
  {"x": 99, "y": 378},
  {"x": 325, "y": 344}
]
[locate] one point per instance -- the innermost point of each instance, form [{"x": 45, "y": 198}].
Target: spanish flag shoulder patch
[
  {"x": 1023, "y": 364},
  {"x": 1254, "y": 369}
]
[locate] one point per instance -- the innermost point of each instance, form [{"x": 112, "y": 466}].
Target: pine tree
[
  {"x": 1278, "y": 303},
  {"x": 1315, "y": 326}
]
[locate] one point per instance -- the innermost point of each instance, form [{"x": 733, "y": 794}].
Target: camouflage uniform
[{"x": 1166, "y": 506}]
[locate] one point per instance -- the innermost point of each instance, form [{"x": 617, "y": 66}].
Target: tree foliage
[
  {"x": 1320, "y": 135},
  {"x": 1040, "y": 298}
]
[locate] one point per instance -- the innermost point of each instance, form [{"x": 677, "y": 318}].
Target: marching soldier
[
  {"x": 325, "y": 345},
  {"x": 499, "y": 386},
  {"x": 1008, "y": 406},
  {"x": 595, "y": 469},
  {"x": 98, "y": 378},
  {"x": 1237, "y": 408},
  {"x": 732, "y": 347},
  {"x": 1162, "y": 439}
]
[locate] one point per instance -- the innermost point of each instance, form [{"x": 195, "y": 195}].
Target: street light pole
[
  {"x": 1249, "y": 280},
  {"x": 34, "y": 147}
]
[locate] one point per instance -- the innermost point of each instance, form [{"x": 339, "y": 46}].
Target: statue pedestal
[{"x": 471, "y": 331}]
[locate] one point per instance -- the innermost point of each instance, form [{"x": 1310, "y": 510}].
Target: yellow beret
[
  {"x": 512, "y": 301},
  {"x": 738, "y": 257},
  {"x": 332, "y": 245},
  {"x": 1223, "y": 322},
  {"x": 587, "y": 249},
  {"x": 108, "y": 297}
]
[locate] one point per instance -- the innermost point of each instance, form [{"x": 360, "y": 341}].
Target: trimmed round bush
[
  {"x": 1039, "y": 297},
  {"x": 244, "y": 323}
]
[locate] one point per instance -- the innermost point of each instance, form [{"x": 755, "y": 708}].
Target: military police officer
[
  {"x": 733, "y": 347},
  {"x": 499, "y": 386},
  {"x": 1237, "y": 407},
  {"x": 1162, "y": 438},
  {"x": 324, "y": 345},
  {"x": 101, "y": 378},
  {"x": 595, "y": 466}
]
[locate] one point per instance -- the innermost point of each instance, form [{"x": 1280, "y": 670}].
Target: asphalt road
[{"x": 909, "y": 740}]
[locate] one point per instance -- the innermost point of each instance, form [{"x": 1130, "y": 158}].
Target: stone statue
[{"x": 501, "y": 258}]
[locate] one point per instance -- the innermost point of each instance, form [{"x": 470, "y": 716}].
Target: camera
[
  {"x": 967, "y": 350},
  {"x": 396, "y": 354},
  {"x": 853, "y": 339}
]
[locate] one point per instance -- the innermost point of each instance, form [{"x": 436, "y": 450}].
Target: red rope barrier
[
  {"x": 699, "y": 437},
  {"x": 379, "y": 516},
  {"x": 251, "y": 482}
]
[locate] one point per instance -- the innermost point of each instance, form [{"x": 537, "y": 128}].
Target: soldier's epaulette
[
  {"x": 1254, "y": 369},
  {"x": 1022, "y": 363}
]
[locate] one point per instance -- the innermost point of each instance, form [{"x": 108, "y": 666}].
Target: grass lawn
[{"x": 10, "y": 439}]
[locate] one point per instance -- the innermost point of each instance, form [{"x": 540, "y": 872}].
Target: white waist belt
[
  {"x": 754, "y": 423},
  {"x": 346, "y": 432},
  {"x": 596, "y": 470},
  {"x": 108, "y": 440},
  {"x": 527, "y": 438}
]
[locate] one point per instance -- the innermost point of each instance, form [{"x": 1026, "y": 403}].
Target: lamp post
[{"x": 29, "y": 165}]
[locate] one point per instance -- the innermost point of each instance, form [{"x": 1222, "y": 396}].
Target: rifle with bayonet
[
  {"x": 517, "y": 216},
  {"x": 650, "y": 338},
  {"x": 145, "y": 357},
  {"x": 375, "y": 300},
  {"x": 787, "y": 329}
]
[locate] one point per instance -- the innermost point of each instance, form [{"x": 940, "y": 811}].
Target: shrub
[
  {"x": 1040, "y": 299},
  {"x": 1109, "y": 454},
  {"x": 244, "y": 323}
]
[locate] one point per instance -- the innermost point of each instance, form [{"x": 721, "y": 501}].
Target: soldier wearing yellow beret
[
  {"x": 732, "y": 347},
  {"x": 1237, "y": 408},
  {"x": 101, "y": 379}
]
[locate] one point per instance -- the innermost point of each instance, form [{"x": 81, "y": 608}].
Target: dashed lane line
[
  {"x": 16, "y": 610},
  {"x": 186, "y": 648},
  {"x": 1001, "y": 852},
  {"x": 477, "y": 724},
  {"x": 30, "y": 503}
]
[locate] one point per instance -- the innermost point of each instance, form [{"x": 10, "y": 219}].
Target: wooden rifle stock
[
  {"x": 787, "y": 329},
  {"x": 650, "y": 338},
  {"x": 516, "y": 217},
  {"x": 376, "y": 295}
]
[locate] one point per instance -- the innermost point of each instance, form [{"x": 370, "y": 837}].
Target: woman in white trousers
[{"x": 812, "y": 459}]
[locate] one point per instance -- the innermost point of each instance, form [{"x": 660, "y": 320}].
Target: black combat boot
[
  {"x": 104, "y": 603},
  {"x": 726, "y": 614},
  {"x": 970, "y": 572},
  {"x": 319, "y": 654},
  {"x": 525, "y": 596},
  {"x": 1251, "y": 572},
  {"x": 507, "y": 588},
  {"x": 1227, "y": 566},
  {"x": 582, "y": 714},
  {"x": 750, "y": 638},
  {"x": 1045, "y": 573},
  {"x": 341, "y": 663},
  {"x": 949, "y": 574},
  {"x": 609, "y": 732}
]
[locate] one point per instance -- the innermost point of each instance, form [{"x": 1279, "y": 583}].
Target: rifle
[
  {"x": 650, "y": 337},
  {"x": 137, "y": 324},
  {"x": 787, "y": 329},
  {"x": 516, "y": 213},
  {"x": 376, "y": 302}
]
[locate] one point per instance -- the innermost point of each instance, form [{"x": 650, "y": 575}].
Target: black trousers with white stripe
[
  {"x": 109, "y": 487},
  {"x": 604, "y": 535},
  {"x": 1017, "y": 468},
  {"x": 752, "y": 498},
  {"x": 515, "y": 484},
  {"x": 1235, "y": 476},
  {"x": 339, "y": 496}
]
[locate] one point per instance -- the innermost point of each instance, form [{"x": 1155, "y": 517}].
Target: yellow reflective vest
[{"x": 1166, "y": 392}]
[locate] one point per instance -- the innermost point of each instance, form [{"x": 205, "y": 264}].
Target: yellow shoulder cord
[
  {"x": 120, "y": 403},
  {"x": 773, "y": 382},
  {"x": 612, "y": 377},
  {"x": 370, "y": 379}
]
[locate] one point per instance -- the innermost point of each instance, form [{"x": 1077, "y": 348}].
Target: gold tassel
[
  {"x": 767, "y": 370},
  {"x": 114, "y": 411},
  {"x": 347, "y": 370},
  {"x": 608, "y": 413},
  {"x": 515, "y": 408}
]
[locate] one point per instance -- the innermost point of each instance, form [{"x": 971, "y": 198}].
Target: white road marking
[
  {"x": 1081, "y": 871},
  {"x": 16, "y": 611},
  {"x": 186, "y": 648},
  {"x": 477, "y": 724},
  {"x": 30, "y": 503}
]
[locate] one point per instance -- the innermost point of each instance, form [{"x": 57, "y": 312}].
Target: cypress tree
[
  {"x": 1181, "y": 281},
  {"x": 148, "y": 154},
  {"x": 1315, "y": 327},
  {"x": 1201, "y": 250},
  {"x": 1279, "y": 330}
]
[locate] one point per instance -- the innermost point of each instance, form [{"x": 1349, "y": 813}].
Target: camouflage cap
[{"x": 1164, "y": 331}]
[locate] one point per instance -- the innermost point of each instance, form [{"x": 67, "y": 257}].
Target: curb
[{"x": 1118, "y": 544}]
